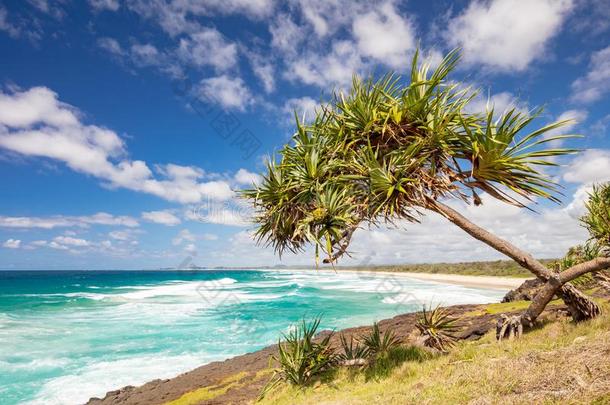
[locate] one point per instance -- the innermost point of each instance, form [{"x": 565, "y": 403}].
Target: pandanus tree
[{"x": 388, "y": 150}]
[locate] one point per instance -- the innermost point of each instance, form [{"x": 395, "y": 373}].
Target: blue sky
[{"x": 127, "y": 125}]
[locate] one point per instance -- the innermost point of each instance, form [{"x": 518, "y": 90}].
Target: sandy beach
[
  {"x": 501, "y": 283},
  {"x": 493, "y": 282}
]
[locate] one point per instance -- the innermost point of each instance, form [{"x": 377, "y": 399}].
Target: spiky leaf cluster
[
  {"x": 438, "y": 328},
  {"x": 300, "y": 358},
  {"x": 597, "y": 217},
  {"x": 389, "y": 148}
]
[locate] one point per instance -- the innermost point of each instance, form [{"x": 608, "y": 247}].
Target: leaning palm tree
[{"x": 386, "y": 151}]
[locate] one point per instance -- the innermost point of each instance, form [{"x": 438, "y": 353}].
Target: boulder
[{"x": 525, "y": 291}]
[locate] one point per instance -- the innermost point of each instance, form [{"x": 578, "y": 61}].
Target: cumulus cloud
[
  {"x": 327, "y": 69},
  {"x": 596, "y": 83},
  {"x": 304, "y": 107},
  {"x": 230, "y": 92},
  {"x": 12, "y": 244},
  {"x": 589, "y": 167},
  {"x": 384, "y": 35},
  {"x": 70, "y": 241},
  {"x": 62, "y": 221},
  {"x": 247, "y": 178},
  {"x": 264, "y": 70},
  {"x": 35, "y": 123},
  {"x": 208, "y": 48},
  {"x": 161, "y": 217},
  {"x": 507, "y": 35},
  {"x": 499, "y": 102}
]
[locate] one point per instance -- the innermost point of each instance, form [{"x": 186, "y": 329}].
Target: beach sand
[
  {"x": 492, "y": 282},
  {"x": 501, "y": 283}
]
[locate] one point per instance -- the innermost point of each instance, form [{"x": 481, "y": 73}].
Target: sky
[{"x": 128, "y": 126}]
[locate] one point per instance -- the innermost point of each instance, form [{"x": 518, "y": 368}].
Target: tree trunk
[
  {"x": 603, "y": 280},
  {"x": 578, "y": 304}
]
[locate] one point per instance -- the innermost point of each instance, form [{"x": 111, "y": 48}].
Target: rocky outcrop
[{"x": 525, "y": 292}]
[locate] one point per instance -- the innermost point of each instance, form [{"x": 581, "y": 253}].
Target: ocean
[{"x": 66, "y": 336}]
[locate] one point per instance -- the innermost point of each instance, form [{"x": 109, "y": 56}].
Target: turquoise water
[{"x": 68, "y": 336}]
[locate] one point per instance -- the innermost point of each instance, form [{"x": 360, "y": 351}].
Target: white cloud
[
  {"x": 596, "y": 83},
  {"x": 384, "y": 35},
  {"x": 334, "y": 68},
  {"x": 178, "y": 16},
  {"x": 507, "y": 34},
  {"x": 36, "y": 123},
  {"x": 146, "y": 55},
  {"x": 500, "y": 102},
  {"x": 12, "y": 244},
  {"x": 229, "y": 92},
  {"x": 264, "y": 70},
  {"x": 577, "y": 116},
  {"x": 231, "y": 213},
  {"x": 208, "y": 48},
  {"x": 327, "y": 17},
  {"x": 191, "y": 249},
  {"x": 161, "y": 217},
  {"x": 70, "y": 241},
  {"x": 100, "y": 5},
  {"x": 305, "y": 108},
  {"x": 61, "y": 221},
  {"x": 247, "y": 178},
  {"x": 590, "y": 166},
  {"x": 187, "y": 236},
  {"x": 12, "y": 30},
  {"x": 184, "y": 235},
  {"x": 286, "y": 35},
  {"x": 110, "y": 45},
  {"x": 120, "y": 235}
]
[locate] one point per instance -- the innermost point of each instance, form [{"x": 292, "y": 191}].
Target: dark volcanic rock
[{"x": 525, "y": 291}]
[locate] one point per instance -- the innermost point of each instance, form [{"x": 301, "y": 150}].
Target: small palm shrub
[
  {"x": 300, "y": 359},
  {"x": 597, "y": 218},
  {"x": 379, "y": 344},
  {"x": 352, "y": 351},
  {"x": 438, "y": 328}
]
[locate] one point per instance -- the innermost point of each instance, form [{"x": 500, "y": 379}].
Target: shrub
[
  {"x": 352, "y": 350},
  {"x": 377, "y": 343},
  {"x": 301, "y": 359},
  {"x": 438, "y": 328}
]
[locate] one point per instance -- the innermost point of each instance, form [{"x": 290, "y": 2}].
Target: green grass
[
  {"x": 500, "y": 268},
  {"x": 208, "y": 393},
  {"x": 560, "y": 362}
]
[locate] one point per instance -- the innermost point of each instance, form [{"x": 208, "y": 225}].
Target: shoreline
[
  {"x": 485, "y": 282},
  {"x": 251, "y": 366},
  {"x": 245, "y": 375},
  {"x": 490, "y": 282}
]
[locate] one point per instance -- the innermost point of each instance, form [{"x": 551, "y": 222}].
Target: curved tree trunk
[{"x": 579, "y": 305}]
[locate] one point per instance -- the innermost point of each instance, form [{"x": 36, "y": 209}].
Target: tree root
[
  {"x": 509, "y": 327},
  {"x": 580, "y": 306},
  {"x": 602, "y": 279},
  {"x": 354, "y": 362}
]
